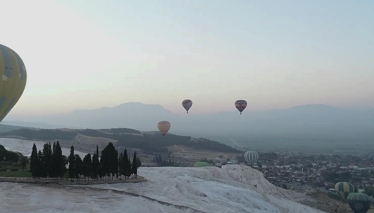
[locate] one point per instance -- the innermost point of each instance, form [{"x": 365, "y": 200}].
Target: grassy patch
[
  {"x": 25, "y": 173},
  {"x": 11, "y": 166}
]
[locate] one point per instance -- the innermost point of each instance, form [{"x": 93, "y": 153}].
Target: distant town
[{"x": 299, "y": 171}]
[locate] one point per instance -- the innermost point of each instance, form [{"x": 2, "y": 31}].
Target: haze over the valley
[{"x": 308, "y": 128}]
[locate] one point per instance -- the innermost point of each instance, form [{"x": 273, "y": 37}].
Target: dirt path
[
  {"x": 179, "y": 148},
  {"x": 235, "y": 143}
]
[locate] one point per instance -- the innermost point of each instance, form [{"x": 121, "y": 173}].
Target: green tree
[
  {"x": 109, "y": 160},
  {"x": 65, "y": 161},
  {"x": 134, "y": 166},
  {"x": 115, "y": 164},
  {"x": 41, "y": 167},
  {"x": 129, "y": 170},
  {"x": 139, "y": 163},
  {"x": 34, "y": 162},
  {"x": 54, "y": 162},
  {"x": 72, "y": 172},
  {"x": 12, "y": 157},
  {"x": 78, "y": 166},
  {"x": 47, "y": 159},
  {"x": 104, "y": 163},
  {"x": 127, "y": 164},
  {"x": 61, "y": 162},
  {"x": 369, "y": 191},
  {"x": 121, "y": 164},
  {"x": 24, "y": 162},
  {"x": 95, "y": 166},
  {"x": 87, "y": 166}
]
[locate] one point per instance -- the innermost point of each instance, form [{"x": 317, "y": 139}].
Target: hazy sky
[{"x": 275, "y": 54}]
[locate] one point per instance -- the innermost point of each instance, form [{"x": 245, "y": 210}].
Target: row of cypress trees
[
  {"x": 48, "y": 163},
  {"x": 51, "y": 163}
]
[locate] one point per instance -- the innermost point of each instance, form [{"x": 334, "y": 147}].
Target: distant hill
[
  {"x": 7, "y": 128},
  {"x": 39, "y": 125},
  {"x": 126, "y": 137},
  {"x": 274, "y": 129}
]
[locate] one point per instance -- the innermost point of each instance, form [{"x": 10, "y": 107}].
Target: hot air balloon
[
  {"x": 187, "y": 104},
  {"x": 359, "y": 202},
  {"x": 164, "y": 127},
  {"x": 344, "y": 188},
  {"x": 241, "y": 105},
  {"x": 251, "y": 157},
  {"x": 13, "y": 79}
]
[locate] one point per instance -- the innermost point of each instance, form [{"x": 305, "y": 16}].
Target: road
[
  {"x": 235, "y": 143},
  {"x": 179, "y": 148}
]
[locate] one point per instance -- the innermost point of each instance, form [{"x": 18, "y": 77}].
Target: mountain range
[{"x": 308, "y": 123}]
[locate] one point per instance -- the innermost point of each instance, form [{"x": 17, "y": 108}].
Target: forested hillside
[
  {"x": 7, "y": 128},
  {"x": 125, "y": 137},
  {"x": 6, "y": 155}
]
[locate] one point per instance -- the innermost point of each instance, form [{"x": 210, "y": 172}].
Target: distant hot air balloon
[
  {"x": 359, "y": 202},
  {"x": 251, "y": 157},
  {"x": 13, "y": 79},
  {"x": 344, "y": 188},
  {"x": 241, "y": 105},
  {"x": 187, "y": 104},
  {"x": 164, "y": 127}
]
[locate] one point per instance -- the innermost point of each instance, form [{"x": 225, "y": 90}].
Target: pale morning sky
[{"x": 274, "y": 54}]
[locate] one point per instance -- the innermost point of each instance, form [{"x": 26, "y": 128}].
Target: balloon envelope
[
  {"x": 13, "y": 78},
  {"x": 344, "y": 188},
  {"x": 251, "y": 157},
  {"x": 359, "y": 202},
  {"x": 187, "y": 104},
  {"x": 241, "y": 105},
  {"x": 163, "y": 126}
]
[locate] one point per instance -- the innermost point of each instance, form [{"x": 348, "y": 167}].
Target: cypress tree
[
  {"x": 129, "y": 171},
  {"x": 65, "y": 161},
  {"x": 125, "y": 164},
  {"x": 98, "y": 168},
  {"x": 115, "y": 166},
  {"x": 24, "y": 162},
  {"x": 134, "y": 166},
  {"x": 138, "y": 162},
  {"x": 54, "y": 162},
  {"x": 34, "y": 162},
  {"x": 61, "y": 164},
  {"x": 121, "y": 164},
  {"x": 113, "y": 160},
  {"x": 104, "y": 170},
  {"x": 71, "y": 163},
  {"x": 94, "y": 166},
  {"x": 87, "y": 171},
  {"x": 41, "y": 171},
  {"x": 109, "y": 161},
  {"x": 78, "y": 166},
  {"x": 47, "y": 159}
]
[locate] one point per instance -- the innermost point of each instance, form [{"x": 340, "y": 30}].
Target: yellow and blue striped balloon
[
  {"x": 13, "y": 78},
  {"x": 344, "y": 188}
]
